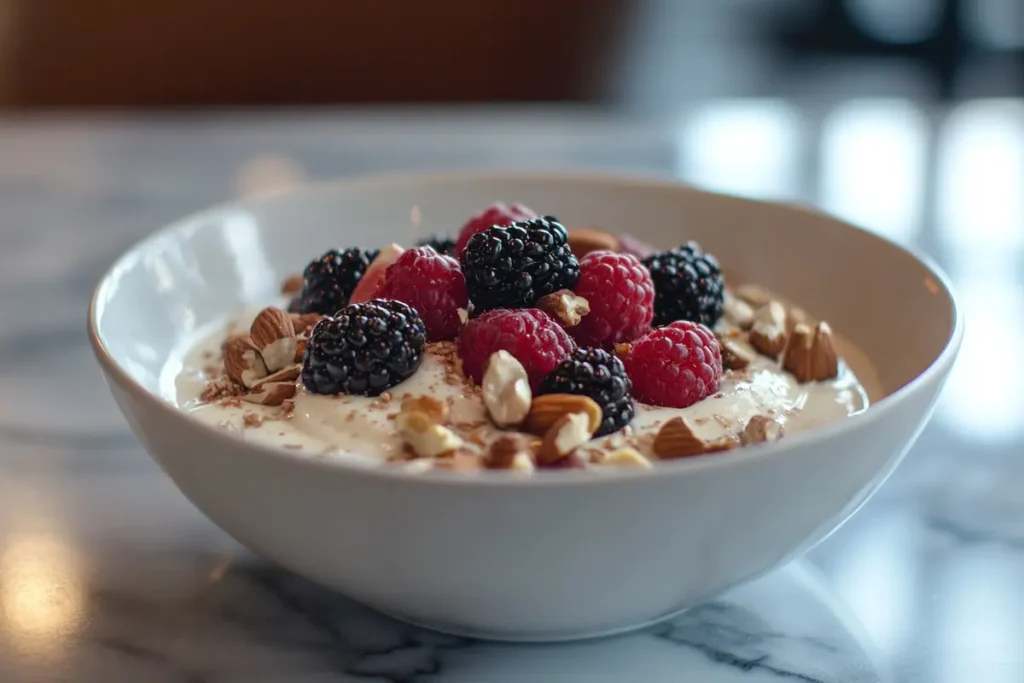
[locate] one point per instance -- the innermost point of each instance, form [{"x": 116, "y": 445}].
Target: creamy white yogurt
[{"x": 362, "y": 429}]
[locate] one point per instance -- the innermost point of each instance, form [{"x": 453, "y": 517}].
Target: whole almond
[
  {"x": 582, "y": 241},
  {"x": 271, "y": 393},
  {"x": 273, "y": 333},
  {"x": 243, "y": 362},
  {"x": 548, "y": 409}
]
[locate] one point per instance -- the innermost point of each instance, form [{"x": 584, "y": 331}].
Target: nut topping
[
  {"x": 735, "y": 354},
  {"x": 424, "y": 436},
  {"x": 582, "y": 241},
  {"x": 292, "y": 284},
  {"x": 435, "y": 410},
  {"x": 737, "y": 312},
  {"x": 676, "y": 439},
  {"x": 271, "y": 393},
  {"x": 755, "y": 295},
  {"x": 811, "y": 356},
  {"x": 510, "y": 452},
  {"x": 627, "y": 457},
  {"x": 242, "y": 361},
  {"x": 506, "y": 390},
  {"x": 566, "y": 306},
  {"x": 768, "y": 332},
  {"x": 566, "y": 435},
  {"x": 273, "y": 334},
  {"x": 303, "y": 322},
  {"x": 760, "y": 429},
  {"x": 547, "y": 410},
  {"x": 289, "y": 373}
]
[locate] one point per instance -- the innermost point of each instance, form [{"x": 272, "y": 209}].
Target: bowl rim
[{"x": 567, "y": 477}]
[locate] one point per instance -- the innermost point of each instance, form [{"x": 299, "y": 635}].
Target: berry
[
  {"x": 433, "y": 285},
  {"x": 532, "y": 336},
  {"x": 373, "y": 279},
  {"x": 442, "y": 245},
  {"x": 365, "y": 349},
  {"x": 688, "y": 285},
  {"x": 675, "y": 366},
  {"x": 328, "y": 282},
  {"x": 601, "y": 376},
  {"x": 514, "y": 266},
  {"x": 497, "y": 214},
  {"x": 621, "y": 297}
]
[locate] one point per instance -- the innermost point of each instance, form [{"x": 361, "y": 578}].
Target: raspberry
[
  {"x": 442, "y": 245},
  {"x": 514, "y": 266},
  {"x": 433, "y": 285},
  {"x": 688, "y": 285},
  {"x": 532, "y": 336},
  {"x": 366, "y": 349},
  {"x": 675, "y": 366},
  {"x": 621, "y": 297},
  {"x": 601, "y": 376},
  {"x": 328, "y": 282},
  {"x": 496, "y": 214}
]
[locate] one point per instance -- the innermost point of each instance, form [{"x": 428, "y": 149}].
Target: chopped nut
[
  {"x": 506, "y": 390},
  {"x": 738, "y": 312},
  {"x": 300, "y": 348},
  {"x": 424, "y": 436},
  {"x": 755, "y": 295},
  {"x": 435, "y": 410},
  {"x": 735, "y": 354},
  {"x": 623, "y": 349},
  {"x": 273, "y": 334},
  {"x": 243, "y": 362},
  {"x": 812, "y": 356},
  {"x": 797, "y": 316},
  {"x": 510, "y": 452},
  {"x": 547, "y": 410},
  {"x": 292, "y": 284},
  {"x": 582, "y": 241},
  {"x": 460, "y": 461},
  {"x": 564, "y": 436},
  {"x": 271, "y": 393},
  {"x": 676, "y": 439},
  {"x": 760, "y": 429},
  {"x": 289, "y": 373},
  {"x": 824, "y": 357},
  {"x": 768, "y": 333},
  {"x": 627, "y": 457},
  {"x": 463, "y": 316},
  {"x": 566, "y": 306},
  {"x": 304, "y": 322}
]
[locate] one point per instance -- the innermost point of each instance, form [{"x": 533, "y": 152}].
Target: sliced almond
[
  {"x": 768, "y": 332},
  {"x": 735, "y": 354},
  {"x": 292, "y": 284},
  {"x": 243, "y": 362},
  {"x": 303, "y": 323},
  {"x": 424, "y": 436},
  {"x": 565, "y": 306},
  {"x": 676, "y": 439},
  {"x": 289, "y": 373},
  {"x": 582, "y": 241},
  {"x": 627, "y": 457},
  {"x": 760, "y": 429},
  {"x": 565, "y": 435},
  {"x": 506, "y": 390},
  {"x": 273, "y": 333},
  {"x": 548, "y": 409},
  {"x": 433, "y": 408},
  {"x": 510, "y": 452},
  {"x": 271, "y": 393},
  {"x": 738, "y": 312}
]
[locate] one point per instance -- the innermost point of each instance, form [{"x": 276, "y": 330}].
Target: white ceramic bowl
[{"x": 564, "y": 554}]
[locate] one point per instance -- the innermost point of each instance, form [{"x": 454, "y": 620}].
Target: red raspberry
[
  {"x": 675, "y": 366},
  {"x": 433, "y": 285},
  {"x": 532, "y": 336},
  {"x": 496, "y": 214},
  {"x": 621, "y": 296}
]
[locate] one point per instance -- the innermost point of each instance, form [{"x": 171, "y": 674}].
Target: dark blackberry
[
  {"x": 601, "y": 376},
  {"x": 365, "y": 349},
  {"x": 330, "y": 279},
  {"x": 513, "y": 266},
  {"x": 688, "y": 285},
  {"x": 442, "y": 245}
]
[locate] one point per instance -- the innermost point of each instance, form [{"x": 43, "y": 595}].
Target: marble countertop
[{"x": 108, "y": 575}]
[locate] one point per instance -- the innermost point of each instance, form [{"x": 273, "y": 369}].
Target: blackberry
[
  {"x": 601, "y": 376},
  {"x": 330, "y": 279},
  {"x": 688, "y": 285},
  {"x": 442, "y": 245},
  {"x": 365, "y": 349},
  {"x": 513, "y": 266}
]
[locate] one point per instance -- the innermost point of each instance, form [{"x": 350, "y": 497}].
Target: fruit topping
[
  {"x": 366, "y": 349},
  {"x": 374, "y": 278},
  {"x": 329, "y": 281},
  {"x": 531, "y": 336},
  {"x": 688, "y": 285},
  {"x": 442, "y": 245},
  {"x": 497, "y": 214},
  {"x": 433, "y": 285},
  {"x": 675, "y": 366},
  {"x": 599, "y": 375},
  {"x": 514, "y": 266},
  {"x": 621, "y": 297}
]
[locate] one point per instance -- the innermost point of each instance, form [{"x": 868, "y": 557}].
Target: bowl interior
[{"x": 879, "y": 296}]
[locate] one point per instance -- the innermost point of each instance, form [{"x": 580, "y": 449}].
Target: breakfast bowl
[{"x": 558, "y": 552}]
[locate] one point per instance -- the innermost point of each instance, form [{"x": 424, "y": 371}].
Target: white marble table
[{"x": 107, "y": 575}]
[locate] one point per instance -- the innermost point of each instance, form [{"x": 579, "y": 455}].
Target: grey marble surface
[{"x": 107, "y": 575}]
